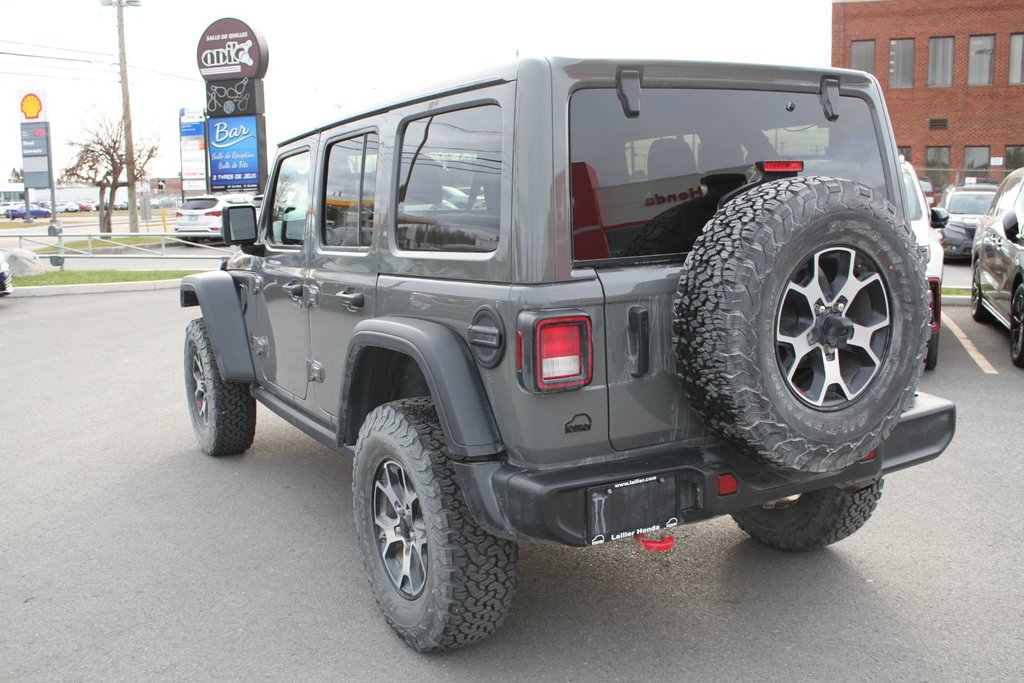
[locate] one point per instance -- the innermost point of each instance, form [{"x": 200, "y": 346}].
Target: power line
[
  {"x": 60, "y": 49},
  {"x": 60, "y": 59},
  {"x": 113, "y": 79}
]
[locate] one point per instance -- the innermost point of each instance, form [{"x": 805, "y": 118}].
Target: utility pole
[{"x": 129, "y": 143}]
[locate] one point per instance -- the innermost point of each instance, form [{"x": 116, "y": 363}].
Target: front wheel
[
  {"x": 811, "y": 520},
  {"x": 1017, "y": 327},
  {"x": 441, "y": 581},
  {"x": 223, "y": 413}
]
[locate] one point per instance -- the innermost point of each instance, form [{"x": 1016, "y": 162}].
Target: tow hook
[{"x": 662, "y": 544}]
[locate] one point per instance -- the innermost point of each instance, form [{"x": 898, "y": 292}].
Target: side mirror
[
  {"x": 238, "y": 224},
  {"x": 1011, "y": 226},
  {"x": 939, "y": 217}
]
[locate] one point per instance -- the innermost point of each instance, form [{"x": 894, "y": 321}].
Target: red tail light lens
[
  {"x": 563, "y": 353},
  {"x": 215, "y": 214},
  {"x": 178, "y": 214},
  {"x": 783, "y": 166}
]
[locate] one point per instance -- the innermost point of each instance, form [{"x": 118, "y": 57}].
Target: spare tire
[{"x": 801, "y": 322}]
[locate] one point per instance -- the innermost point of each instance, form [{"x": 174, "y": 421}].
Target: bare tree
[
  {"x": 100, "y": 160},
  {"x": 16, "y": 176}
]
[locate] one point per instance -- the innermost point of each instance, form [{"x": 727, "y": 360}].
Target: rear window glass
[
  {"x": 646, "y": 186},
  {"x": 199, "y": 204}
]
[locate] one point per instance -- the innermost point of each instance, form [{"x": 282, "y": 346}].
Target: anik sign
[{"x": 233, "y": 146}]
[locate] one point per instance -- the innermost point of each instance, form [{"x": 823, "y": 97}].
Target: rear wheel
[
  {"x": 441, "y": 581},
  {"x": 810, "y": 520},
  {"x": 1017, "y": 326}
]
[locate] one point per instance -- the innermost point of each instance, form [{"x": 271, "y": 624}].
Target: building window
[
  {"x": 980, "y": 62},
  {"x": 936, "y": 164},
  {"x": 940, "y": 62},
  {"x": 905, "y": 153},
  {"x": 976, "y": 162},
  {"x": 901, "y": 63},
  {"x": 1014, "y": 158},
  {"x": 1017, "y": 58},
  {"x": 862, "y": 55}
]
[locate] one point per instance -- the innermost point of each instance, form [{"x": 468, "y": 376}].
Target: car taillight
[
  {"x": 561, "y": 353},
  {"x": 782, "y": 166},
  {"x": 178, "y": 214},
  {"x": 215, "y": 214}
]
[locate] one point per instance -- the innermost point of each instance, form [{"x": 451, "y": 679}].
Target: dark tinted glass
[
  {"x": 349, "y": 192},
  {"x": 647, "y": 185},
  {"x": 199, "y": 204},
  {"x": 290, "y": 200},
  {"x": 449, "y": 196}
]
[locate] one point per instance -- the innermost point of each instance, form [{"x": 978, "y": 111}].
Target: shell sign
[{"x": 32, "y": 106}]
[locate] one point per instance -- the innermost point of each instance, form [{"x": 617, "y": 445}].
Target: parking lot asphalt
[{"x": 125, "y": 553}]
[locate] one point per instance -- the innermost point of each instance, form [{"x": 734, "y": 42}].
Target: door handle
[
  {"x": 638, "y": 341},
  {"x": 294, "y": 290},
  {"x": 352, "y": 300}
]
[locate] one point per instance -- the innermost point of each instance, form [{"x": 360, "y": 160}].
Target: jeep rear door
[{"x": 644, "y": 187}]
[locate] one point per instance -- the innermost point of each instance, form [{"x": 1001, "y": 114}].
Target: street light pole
[{"x": 129, "y": 143}]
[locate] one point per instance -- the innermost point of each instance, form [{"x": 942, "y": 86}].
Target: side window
[
  {"x": 1003, "y": 201},
  {"x": 290, "y": 201},
  {"x": 349, "y": 192},
  {"x": 449, "y": 194}
]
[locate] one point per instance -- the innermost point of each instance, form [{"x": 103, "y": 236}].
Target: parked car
[
  {"x": 6, "y": 281},
  {"x": 927, "y": 224},
  {"x": 966, "y": 204},
  {"x": 34, "y": 209},
  {"x": 997, "y": 263},
  {"x": 84, "y": 205},
  {"x": 202, "y": 215},
  {"x": 68, "y": 207}
]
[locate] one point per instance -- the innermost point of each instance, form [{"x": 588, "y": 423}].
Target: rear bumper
[{"x": 587, "y": 505}]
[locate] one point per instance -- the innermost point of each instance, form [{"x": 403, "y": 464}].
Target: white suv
[
  {"x": 927, "y": 224},
  {"x": 203, "y": 214}
]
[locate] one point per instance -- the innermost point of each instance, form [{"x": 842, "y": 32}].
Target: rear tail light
[
  {"x": 782, "y": 166},
  {"x": 555, "y": 353},
  {"x": 215, "y": 214},
  {"x": 178, "y": 214}
]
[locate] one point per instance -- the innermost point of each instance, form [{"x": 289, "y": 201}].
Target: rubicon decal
[{"x": 580, "y": 422}]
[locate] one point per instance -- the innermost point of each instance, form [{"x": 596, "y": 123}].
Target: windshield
[
  {"x": 665, "y": 170},
  {"x": 970, "y": 203}
]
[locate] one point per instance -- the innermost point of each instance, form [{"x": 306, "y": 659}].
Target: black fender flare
[
  {"x": 454, "y": 381},
  {"x": 215, "y": 293}
]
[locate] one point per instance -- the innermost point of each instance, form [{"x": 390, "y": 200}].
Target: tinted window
[
  {"x": 449, "y": 195},
  {"x": 1007, "y": 194},
  {"x": 665, "y": 171},
  {"x": 290, "y": 200},
  {"x": 349, "y": 192},
  {"x": 199, "y": 203}
]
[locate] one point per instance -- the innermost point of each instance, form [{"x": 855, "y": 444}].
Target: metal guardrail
[{"x": 101, "y": 244}]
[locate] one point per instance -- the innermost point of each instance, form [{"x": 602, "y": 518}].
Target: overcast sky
[{"x": 331, "y": 58}]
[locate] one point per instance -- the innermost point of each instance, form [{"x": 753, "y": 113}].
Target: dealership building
[{"x": 953, "y": 77}]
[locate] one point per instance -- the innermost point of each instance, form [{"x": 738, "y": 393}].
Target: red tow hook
[{"x": 656, "y": 545}]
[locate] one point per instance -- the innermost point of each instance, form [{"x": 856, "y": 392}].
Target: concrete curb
[
  {"x": 950, "y": 300},
  {"x": 103, "y": 288}
]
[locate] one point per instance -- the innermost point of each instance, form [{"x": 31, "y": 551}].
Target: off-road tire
[
  {"x": 470, "y": 575},
  {"x": 1017, "y": 326},
  {"x": 223, "y": 413},
  {"x": 814, "y": 520},
  {"x": 931, "y": 356},
  {"x": 729, "y": 308},
  {"x": 979, "y": 313}
]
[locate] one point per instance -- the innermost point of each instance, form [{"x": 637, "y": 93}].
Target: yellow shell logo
[{"x": 31, "y": 105}]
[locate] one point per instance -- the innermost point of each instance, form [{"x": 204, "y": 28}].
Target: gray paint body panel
[{"x": 217, "y": 296}]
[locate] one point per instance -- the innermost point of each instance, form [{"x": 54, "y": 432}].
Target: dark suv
[
  {"x": 575, "y": 302},
  {"x": 966, "y": 205}
]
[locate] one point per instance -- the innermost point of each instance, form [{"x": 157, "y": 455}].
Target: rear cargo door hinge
[{"x": 314, "y": 371}]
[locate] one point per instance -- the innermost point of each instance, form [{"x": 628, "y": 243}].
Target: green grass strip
[{"x": 93, "y": 277}]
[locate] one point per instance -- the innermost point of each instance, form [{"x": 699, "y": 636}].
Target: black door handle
[
  {"x": 294, "y": 290},
  {"x": 351, "y": 299}
]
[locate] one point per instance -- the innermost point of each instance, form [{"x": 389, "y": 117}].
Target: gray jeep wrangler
[{"x": 575, "y": 302}]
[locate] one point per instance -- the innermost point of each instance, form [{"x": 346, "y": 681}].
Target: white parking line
[{"x": 969, "y": 346}]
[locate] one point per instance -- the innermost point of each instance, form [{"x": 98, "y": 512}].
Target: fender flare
[
  {"x": 215, "y": 293},
  {"x": 454, "y": 381}
]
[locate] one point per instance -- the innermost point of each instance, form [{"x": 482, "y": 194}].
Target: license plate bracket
[{"x": 626, "y": 508}]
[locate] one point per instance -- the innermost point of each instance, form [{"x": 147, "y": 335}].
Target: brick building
[{"x": 953, "y": 77}]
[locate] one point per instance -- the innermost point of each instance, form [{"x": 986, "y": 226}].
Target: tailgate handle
[{"x": 638, "y": 341}]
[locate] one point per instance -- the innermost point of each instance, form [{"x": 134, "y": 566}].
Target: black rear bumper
[{"x": 586, "y": 505}]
